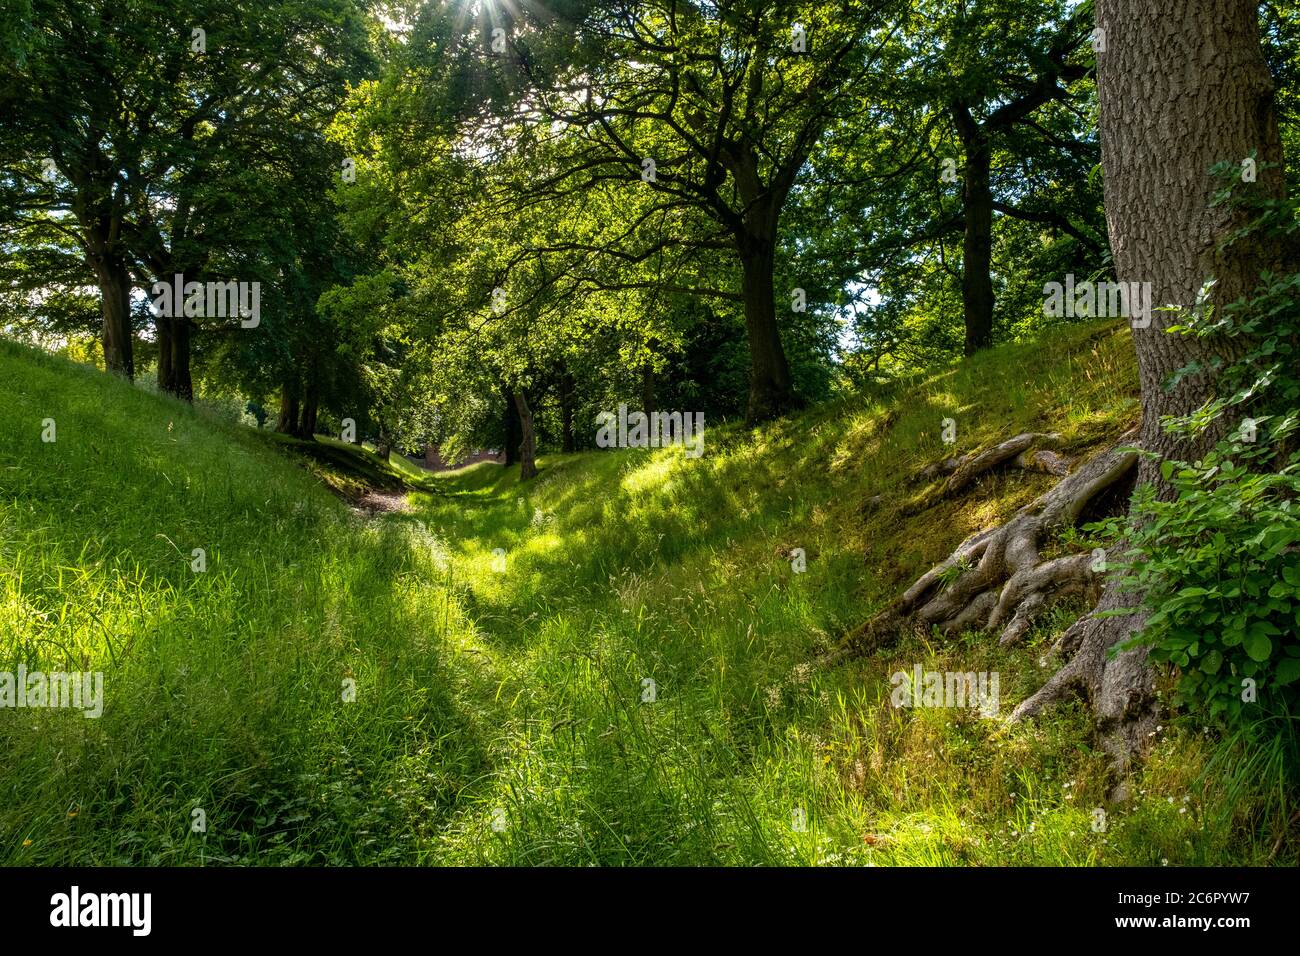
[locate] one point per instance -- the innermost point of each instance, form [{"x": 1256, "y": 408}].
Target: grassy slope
[{"x": 514, "y": 697}]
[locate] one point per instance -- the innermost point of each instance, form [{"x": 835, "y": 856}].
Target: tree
[
  {"x": 704, "y": 118},
  {"x": 998, "y": 93},
  {"x": 1163, "y": 129},
  {"x": 135, "y": 126},
  {"x": 1164, "y": 126},
  {"x": 993, "y": 110}
]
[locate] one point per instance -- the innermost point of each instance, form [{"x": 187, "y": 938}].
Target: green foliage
[{"x": 1221, "y": 572}]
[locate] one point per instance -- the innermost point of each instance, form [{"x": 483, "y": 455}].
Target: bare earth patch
[{"x": 379, "y": 501}]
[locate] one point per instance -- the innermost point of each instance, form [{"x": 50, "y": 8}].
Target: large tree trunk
[
  {"x": 771, "y": 392},
  {"x": 114, "y": 280},
  {"x": 977, "y": 244},
  {"x": 1182, "y": 87},
  {"x": 527, "y": 442}
]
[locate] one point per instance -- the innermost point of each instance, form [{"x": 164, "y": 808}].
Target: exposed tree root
[
  {"x": 1044, "y": 460},
  {"x": 998, "y": 580},
  {"x": 963, "y": 470},
  {"x": 1119, "y": 688}
]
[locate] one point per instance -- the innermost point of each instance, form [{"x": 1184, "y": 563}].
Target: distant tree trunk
[
  {"x": 287, "y": 423},
  {"x": 567, "y": 388},
  {"x": 977, "y": 242},
  {"x": 163, "y": 333},
  {"x": 174, "y": 357},
  {"x": 182, "y": 384},
  {"x": 527, "y": 443},
  {"x": 384, "y": 447},
  {"x": 514, "y": 432},
  {"x": 310, "y": 405},
  {"x": 308, "y": 429},
  {"x": 771, "y": 392},
  {"x": 114, "y": 280},
  {"x": 648, "y": 398}
]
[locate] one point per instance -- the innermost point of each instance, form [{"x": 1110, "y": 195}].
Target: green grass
[{"x": 499, "y": 713}]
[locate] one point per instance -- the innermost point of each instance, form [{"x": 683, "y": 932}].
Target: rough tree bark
[
  {"x": 1183, "y": 85},
  {"x": 527, "y": 442},
  {"x": 1166, "y": 117}
]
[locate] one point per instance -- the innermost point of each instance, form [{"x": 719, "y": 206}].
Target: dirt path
[{"x": 381, "y": 501}]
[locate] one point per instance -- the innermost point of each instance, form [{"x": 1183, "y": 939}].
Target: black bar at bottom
[{"x": 335, "y": 906}]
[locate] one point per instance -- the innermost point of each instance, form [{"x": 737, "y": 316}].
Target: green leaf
[
  {"x": 1258, "y": 646},
  {"x": 1288, "y": 670}
]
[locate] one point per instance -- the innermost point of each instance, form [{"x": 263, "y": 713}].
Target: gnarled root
[
  {"x": 962, "y": 471},
  {"x": 1119, "y": 688},
  {"x": 998, "y": 580}
]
